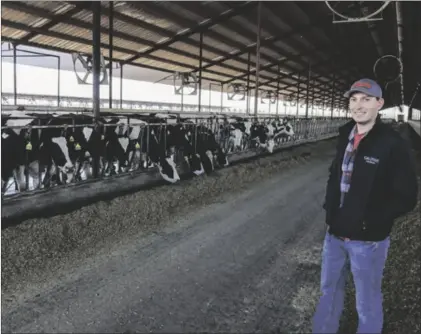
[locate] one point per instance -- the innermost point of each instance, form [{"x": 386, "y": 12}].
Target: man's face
[{"x": 364, "y": 108}]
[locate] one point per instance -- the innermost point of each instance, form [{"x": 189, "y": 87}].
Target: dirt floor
[{"x": 237, "y": 251}]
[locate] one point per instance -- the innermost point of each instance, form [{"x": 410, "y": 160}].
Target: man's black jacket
[{"x": 383, "y": 185}]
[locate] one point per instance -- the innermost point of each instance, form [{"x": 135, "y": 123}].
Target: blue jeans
[{"x": 367, "y": 260}]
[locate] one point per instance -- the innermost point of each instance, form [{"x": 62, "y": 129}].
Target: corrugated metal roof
[{"x": 229, "y": 35}]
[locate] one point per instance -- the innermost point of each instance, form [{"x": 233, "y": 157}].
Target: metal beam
[
  {"x": 88, "y": 42},
  {"x": 333, "y": 94},
  {"x": 298, "y": 95},
  {"x": 82, "y": 24},
  {"x": 248, "y": 85},
  {"x": 126, "y": 50},
  {"x": 277, "y": 92},
  {"x": 164, "y": 32},
  {"x": 15, "y": 89},
  {"x": 268, "y": 41},
  {"x": 281, "y": 61},
  {"x": 79, "y": 23},
  {"x": 96, "y": 64},
  {"x": 121, "y": 85},
  {"x": 348, "y": 47},
  {"x": 58, "y": 80},
  {"x": 399, "y": 22},
  {"x": 308, "y": 87},
  {"x": 66, "y": 51},
  {"x": 201, "y": 27},
  {"x": 259, "y": 32},
  {"x": 57, "y": 19},
  {"x": 110, "y": 39},
  {"x": 200, "y": 70}
]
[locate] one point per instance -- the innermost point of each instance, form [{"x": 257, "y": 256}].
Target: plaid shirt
[{"x": 348, "y": 165}]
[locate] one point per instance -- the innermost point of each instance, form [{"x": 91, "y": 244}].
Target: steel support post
[
  {"x": 96, "y": 62},
  {"x": 182, "y": 98},
  {"x": 312, "y": 99},
  {"x": 96, "y": 55},
  {"x": 298, "y": 94},
  {"x": 121, "y": 85},
  {"x": 200, "y": 70},
  {"x": 222, "y": 97},
  {"x": 248, "y": 85},
  {"x": 308, "y": 88},
  {"x": 210, "y": 94},
  {"x": 399, "y": 23},
  {"x": 332, "y": 95},
  {"x": 58, "y": 80},
  {"x": 256, "y": 93},
  {"x": 277, "y": 91},
  {"x": 15, "y": 89},
  {"x": 110, "y": 39}
]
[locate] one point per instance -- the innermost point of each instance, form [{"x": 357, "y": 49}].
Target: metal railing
[{"x": 138, "y": 159}]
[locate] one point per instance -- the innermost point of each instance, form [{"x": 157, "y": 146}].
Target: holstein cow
[
  {"x": 19, "y": 148},
  {"x": 145, "y": 135},
  {"x": 283, "y": 130},
  {"x": 249, "y": 133},
  {"x": 239, "y": 133},
  {"x": 181, "y": 134},
  {"x": 202, "y": 140},
  {"x": 27, "y": 150}
]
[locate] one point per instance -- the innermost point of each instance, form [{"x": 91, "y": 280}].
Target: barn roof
[{"x": 166, "y": 36}]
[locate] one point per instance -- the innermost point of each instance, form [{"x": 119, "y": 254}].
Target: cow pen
[
  {"x": 171, "y": 178},
  {"x": 42, "y": 198}
]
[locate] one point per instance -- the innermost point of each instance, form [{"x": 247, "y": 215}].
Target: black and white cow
[
  {"x": 140, "y": 136},
  {"x": 283, "y": 130},
  {"x": 31, "y": 151},
  {"x": 203, "y": 142}
]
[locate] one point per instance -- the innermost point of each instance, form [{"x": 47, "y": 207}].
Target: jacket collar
[{"x": 346, "y": 128}]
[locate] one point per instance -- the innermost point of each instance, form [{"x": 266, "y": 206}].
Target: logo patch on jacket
[{"x": 371, "y": 160}]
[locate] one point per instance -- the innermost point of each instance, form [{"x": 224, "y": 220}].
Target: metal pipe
[
  {"x": 372, "y": 29},
  {"x": 222, "y": 97},
  {"x": 312, "y": 99},
  {"x": 259, "y": 27},
  {"x": 333, "y": 95},
  {"x": 121, "y": 85},
  {"x": 96, "y": 64},
  {"x": 58, "y": 80},
  {"x": 248, "y": 84},
  {"x": 277, "y": 91},
  {"x": 96, "y": 55},
  {"x": 200, "y": 70},
  {"x": 308, "y": 88},
  {"x": 210, "y": 93},
  {"x": 15, "y": 89},
  {"x": 182, "y": 98},
  {"x": 110, "y": 39},
  {"x": 399, "y": 21},
  {"x": 298, "y": 94}
]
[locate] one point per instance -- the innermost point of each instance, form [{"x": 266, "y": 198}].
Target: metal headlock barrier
[
  {"x": 302, "y": 130},
  {"x": 43, "y": 188}
]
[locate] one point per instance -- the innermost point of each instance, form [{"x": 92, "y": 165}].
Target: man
[{"x": 372, "y": 182}]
